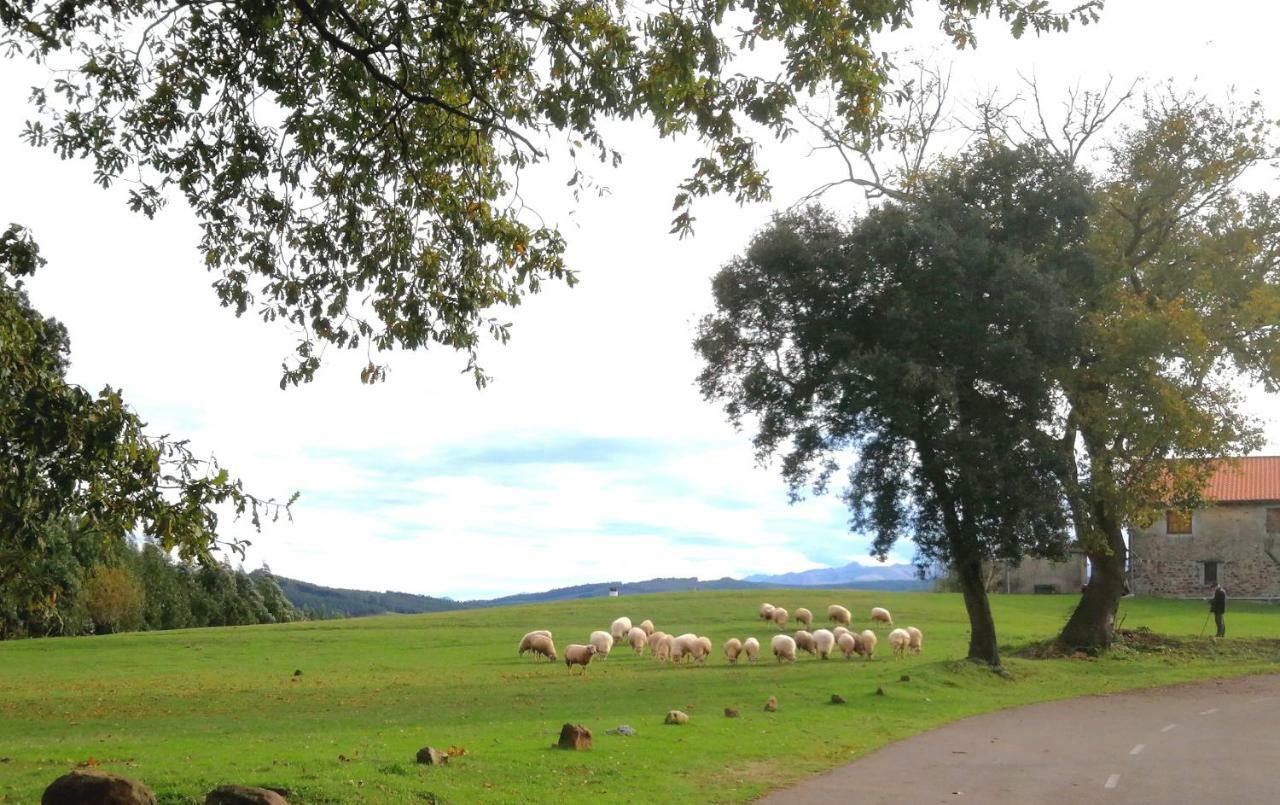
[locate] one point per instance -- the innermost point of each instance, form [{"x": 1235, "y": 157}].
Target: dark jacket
[{"x": 1219, "y": 602}]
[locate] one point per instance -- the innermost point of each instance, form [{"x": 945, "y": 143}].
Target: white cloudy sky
[{"x": 592, "y": 457}]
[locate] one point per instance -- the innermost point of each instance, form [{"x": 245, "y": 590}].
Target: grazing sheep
[
  {"x": 867, "y": 643},
  {"x": 703, "y": 651},
  {"x": 638, "y": 639},
  {"x": 824, "y": 641},
  {"x": 804, "y": 642},
  {"x": 732, "y": 648},
  {"x": 779, "y": 617},
  {"x": 766, "y": 612},
  {"x": 540, "y": 644},
  {"x": 784, "y": 648},
  {"x": 804, "y": 617},
  {"x": 661, "y": 648},
  {"x": 654, "y": 640},
  {"x": 751, "y": 647},
  {"x": 578, "y": 655},
  {"x": 917, "y": 639},
  {"x": 618, "y": 631},
  {"x": 881, "y": 614},
  {"x": 900, "y": 640},
  {"x": 839, "y": 630},
  {"x": 647, "y": 625},
  {"x": 603, "y": 641},
  {"x": 684, "y": 647},
  {"x": 524, "y": 641},
  {"x": 839, "y": 614},
  {"x": 848, "y": 644}
]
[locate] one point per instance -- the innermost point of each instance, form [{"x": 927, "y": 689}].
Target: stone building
[
  {"x": 1234, "y": 542},
  {"x": 1043, "y": 575}
]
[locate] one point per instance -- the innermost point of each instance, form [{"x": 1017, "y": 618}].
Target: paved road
[{"x": 1207, "y": 742}]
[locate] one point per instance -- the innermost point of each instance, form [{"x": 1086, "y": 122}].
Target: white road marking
[
  {"x": 1168, "y": 727},
  {"x": 1112, "y": 781},
  {"x": 1137, "y": 749},
  {"x": 1209, "y": 712}
]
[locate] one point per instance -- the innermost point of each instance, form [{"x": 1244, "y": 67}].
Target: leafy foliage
[
  {"x": 355, "y": 165},
  {"x": 919, "y": 340}
]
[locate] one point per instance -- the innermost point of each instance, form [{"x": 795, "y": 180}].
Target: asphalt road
[{"x": 1207, "y": 742}]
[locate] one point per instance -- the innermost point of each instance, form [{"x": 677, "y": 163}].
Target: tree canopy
[
  {"x": 918, "y": 341},
  {"x": 355, "y": 166}
]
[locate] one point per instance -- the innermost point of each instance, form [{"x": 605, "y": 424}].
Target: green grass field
[{"x": 186, "y": 711}]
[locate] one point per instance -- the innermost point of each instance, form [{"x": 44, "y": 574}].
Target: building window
[
  {"x": 1211, "y": 572},
  {"x": 1176, "y": 522},
  {"x": 1273, "y": 521}
]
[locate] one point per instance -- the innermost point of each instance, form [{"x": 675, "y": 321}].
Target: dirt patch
[{"x": 1143, "y": 641}]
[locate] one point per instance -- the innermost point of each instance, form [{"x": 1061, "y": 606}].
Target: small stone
[
  {"x": 676, "y": 717},
  {"x": 622, "y": 729},
  {"x": 880, "y": 691},
  {"x": 771, "y": 706},
  {"x": 836, "y": 698},
  {"x": 297, "y": 672},
  {"x": 432, "y": 757},
  {"x": 574, "y": 736},
  {"x": 905, "y": 678},
  {"x": 731, "y": 712},
  {"x": 243, "y": 795},
  {"x": 93, "y": 787}
]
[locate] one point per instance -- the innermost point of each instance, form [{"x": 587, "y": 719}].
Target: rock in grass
[
  {"x": 771, "y": 706},
  {"x": 730, "y": 712},
  {"x": 623, "y": 730},
  {"x": 432, "y": 757},
  {"x": 905, "y": 678},
  {"x": 880, "y": 691},
  {"x": 574, "y": 736},
  {"x": 297, "y": 672},
  {"x": 243, "y": 795},
  {"x": 93, "y": 787},
  {"x": 676, "y": 717},
  {"x": 836, "y": 698}
]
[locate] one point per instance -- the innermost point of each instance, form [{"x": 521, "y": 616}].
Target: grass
[{"x": 186, "y": 711}]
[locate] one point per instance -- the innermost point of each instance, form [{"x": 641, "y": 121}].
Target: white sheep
[
  {"x": 647, "y": 625},
  {"x": 638, "y": 639},
  {"x": 804, "y": 642},
  {"x": 848, "y": 644},
  {"x": 867, "y": 643},
  {"x": 766, "y": 612},
  {"x": 917, "y": 639},
  {"x": 784, "y": 648},
  {"x": 881, "y": 614},
  {"x": 804, "y": 617},
  {"x": 900, "y": 640},
  {"x": 702, "y": 649},
  {"x": 751, "y": 647},
  {"x": 824, "y": 641},
  {"x": 603, "y": 641},
  {"x": 618, "y": 631},
  {"x": 732, "y": 648},
  {"x": 840, "y": 630},
  {"x": 779, "y": 617},
  {"x": 654, "y": 640},
  {"x": 839, "y": 614},
  {"x": 684, "y": 647},
  {"x": 578, "y": 655},
  {"x": 540, "y": 644},
  {"x": 662, "y": 647}
]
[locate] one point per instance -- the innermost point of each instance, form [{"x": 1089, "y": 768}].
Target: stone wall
[
  {"x": 1064, "y": 577},
  {"x": 1234, "y": 535}
]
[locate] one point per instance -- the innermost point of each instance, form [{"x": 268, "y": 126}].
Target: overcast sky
[{"x": 591, "y": 457}]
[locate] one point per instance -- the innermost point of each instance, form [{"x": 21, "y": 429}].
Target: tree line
[{"x": 85, "y": 584}]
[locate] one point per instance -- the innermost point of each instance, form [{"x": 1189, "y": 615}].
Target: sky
[{"x": 591, "y": 457}]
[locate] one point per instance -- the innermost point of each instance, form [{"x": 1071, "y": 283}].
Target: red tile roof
[{"x": 1256, "y": 478}]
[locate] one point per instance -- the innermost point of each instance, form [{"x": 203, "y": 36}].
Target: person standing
[{"x": 1218, "y": 606}]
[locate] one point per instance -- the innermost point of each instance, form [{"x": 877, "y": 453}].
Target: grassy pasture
[{"x": 185, "y": 711}]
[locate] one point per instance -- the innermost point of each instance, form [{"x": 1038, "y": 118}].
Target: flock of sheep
[{"x": 680, "y": 648}]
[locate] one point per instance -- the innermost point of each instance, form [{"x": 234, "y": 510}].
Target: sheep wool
[
  {"x": 540, "y": 645},
  {"x": 839, "y": 630},
  {"x": 839, "y": 614},
  {"x": 881, "y": 614},
  {"x": 848, "y": 644},
  {"x": 825, "y": 642},
  {"x": 603, "y": 641},
  {"x": 780, "y": 617},
  {"x": 804, "y": 617},
  {"x": 578, "y": 655},
  {"x": 647, "y": 625},
  {"x": 732, "y": 648},
  {"x": 766, "y": 612},
  {"x": 784, "y": 648},
  {"x": 804, "y": 642},
  {"x": 867, "y": 643},
  {"x": 751, "y": 647},
  {"x": 525, "y": 642},
  {"x": 917, "y": 639},
  {"x": 638, "y": 639},
  {"x": 618, "y": 631}
]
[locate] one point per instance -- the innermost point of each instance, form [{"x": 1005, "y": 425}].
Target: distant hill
[
  {"x": 850, "y": 574},
  {"x": 337, "y": 602}
]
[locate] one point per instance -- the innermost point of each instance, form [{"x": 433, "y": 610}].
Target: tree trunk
[
  {"x": 982, "y": 627},
  {"x": 1092, "y": 625}
]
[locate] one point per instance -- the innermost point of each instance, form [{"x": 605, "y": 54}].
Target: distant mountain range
[{"x": 338, "y": 602}]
